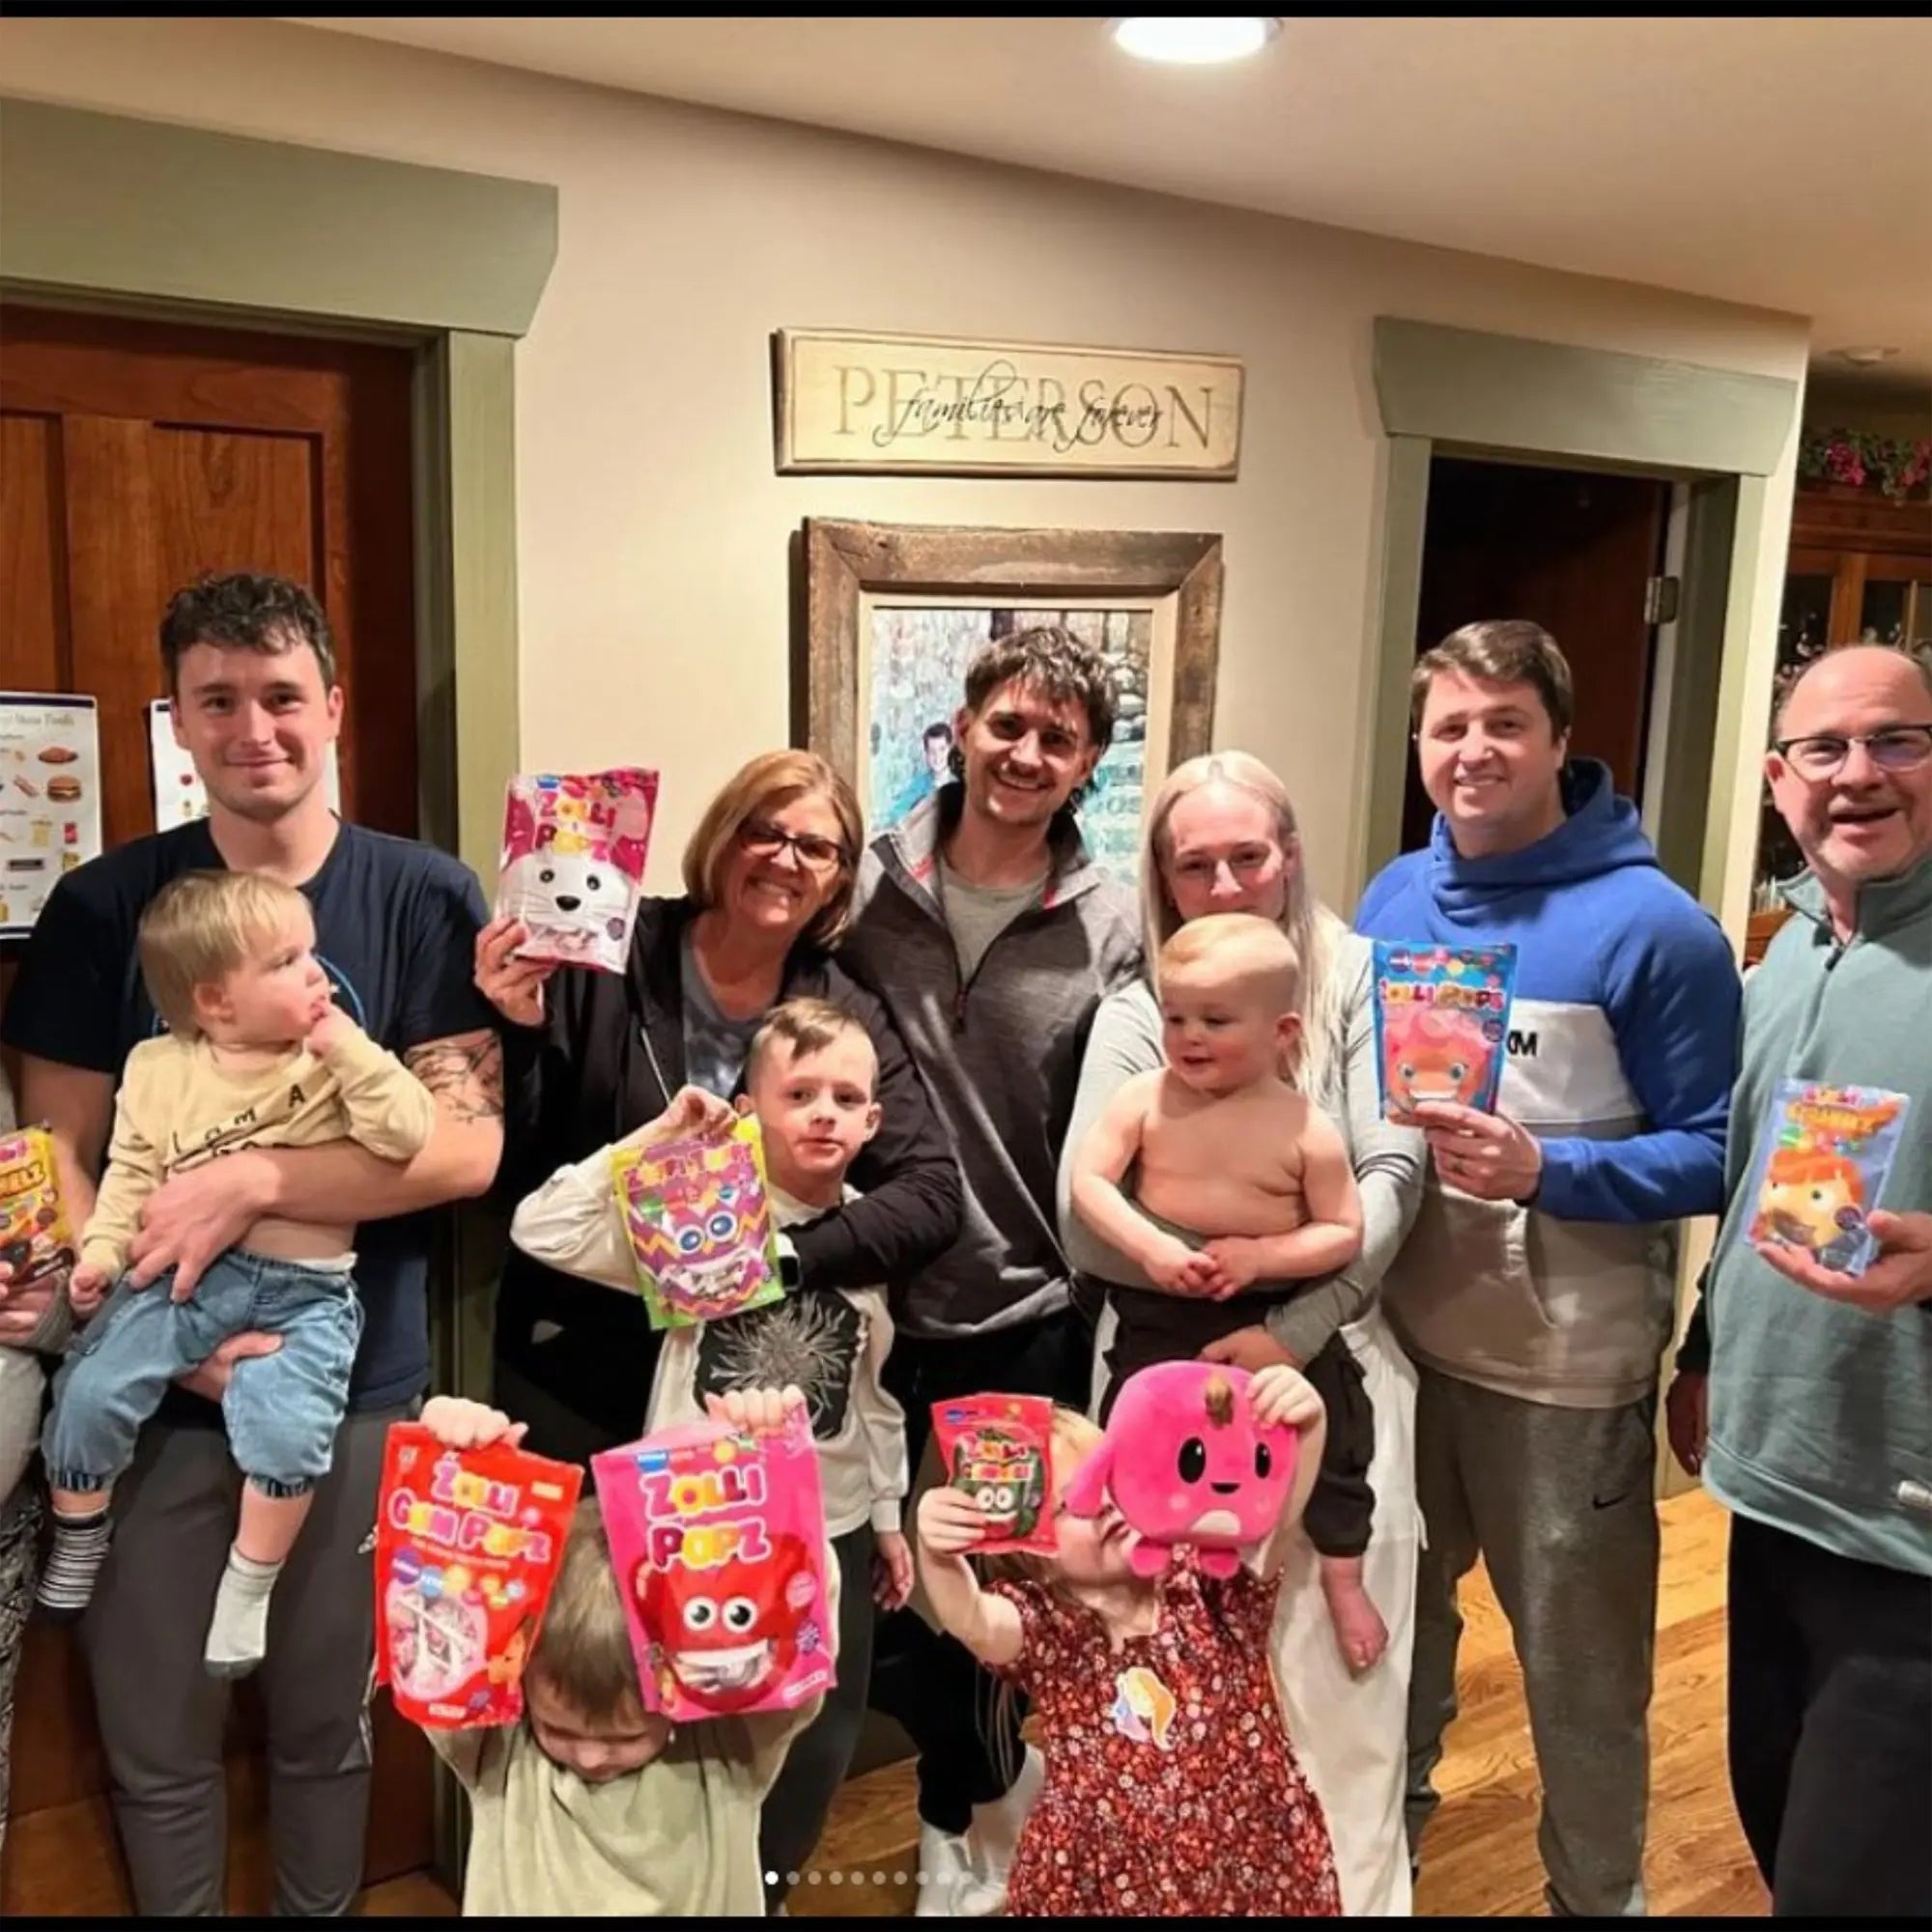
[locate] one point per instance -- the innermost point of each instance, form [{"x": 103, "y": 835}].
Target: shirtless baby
[{"x": 1243, "y": 1192}]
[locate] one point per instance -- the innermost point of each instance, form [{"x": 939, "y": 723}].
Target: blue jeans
[{"x": 282, "y": 1411}]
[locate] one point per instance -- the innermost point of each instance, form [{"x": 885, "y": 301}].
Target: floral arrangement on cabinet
[{"x": 1896, "y": 465}]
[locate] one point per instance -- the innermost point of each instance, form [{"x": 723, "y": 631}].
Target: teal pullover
[{"x": 1821, "y": 1414}]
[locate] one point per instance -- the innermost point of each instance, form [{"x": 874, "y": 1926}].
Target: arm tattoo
[{"x": 465, "y": 1073}]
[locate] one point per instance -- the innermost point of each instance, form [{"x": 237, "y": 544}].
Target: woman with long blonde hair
[{"x": 1222, "y": 837}]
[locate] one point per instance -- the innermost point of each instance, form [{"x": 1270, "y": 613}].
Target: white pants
[{"x": 1350, "y": 1734}]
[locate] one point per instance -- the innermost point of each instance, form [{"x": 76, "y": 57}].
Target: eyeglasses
[
  {"x": 763, "y": 839},
  {"x": 1898, "y": 747}
]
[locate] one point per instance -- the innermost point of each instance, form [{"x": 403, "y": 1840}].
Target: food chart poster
[{"x": 50, "y": 799}]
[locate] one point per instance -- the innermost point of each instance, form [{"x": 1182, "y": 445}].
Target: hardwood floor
[{"x": 1480, "y": 1858}]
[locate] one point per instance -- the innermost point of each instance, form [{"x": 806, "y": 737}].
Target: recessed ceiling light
[
  {"x": 1194, "y": 42},
  {"x": 1861, "y": 358}
]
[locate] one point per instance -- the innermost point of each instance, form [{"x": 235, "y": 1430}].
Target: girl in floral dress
[{"x": 1170, "y": 1786}]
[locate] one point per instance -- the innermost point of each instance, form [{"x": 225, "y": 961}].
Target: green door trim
[
  {"x": 147, "y": 219},
  {"x": 1722, "y": 431}
]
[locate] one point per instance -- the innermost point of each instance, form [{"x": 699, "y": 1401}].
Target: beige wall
[{"x": 653, "y": 530}]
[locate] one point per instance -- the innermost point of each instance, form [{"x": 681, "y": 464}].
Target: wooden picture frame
[{"x": 853, "y": 568}]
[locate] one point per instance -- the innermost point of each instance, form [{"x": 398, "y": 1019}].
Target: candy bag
[
  {"x": 467, "y": 1547},
  {"x": 717, "y": 1538},
  {"x": 1185, "y": 1462},
  {"x": 36, "y": 1236},
  {"x": 699, "y": 1223},
  {"x": 1441, "y": 1023},
  {"x": 1823, "y": 1167},
  {"x": 999, "y": 1449},
  {"x": 573, "y": 863}
]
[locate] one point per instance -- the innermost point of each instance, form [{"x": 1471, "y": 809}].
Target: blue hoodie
[{"x": 1622, "y": 1054}]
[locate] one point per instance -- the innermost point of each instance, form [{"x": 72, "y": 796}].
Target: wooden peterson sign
[{"x": 899, "y": 405}]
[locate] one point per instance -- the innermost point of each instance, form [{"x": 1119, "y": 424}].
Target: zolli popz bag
[
  {"x": 467, "y": 1547},
  {"x": 998, "y": 1449},
  {"x": 717, "y": 1538},
  {"x": 1441, "y": 1023},
  {"x": 698, "y": 1218},
  {"x": 573, "y": 863}
]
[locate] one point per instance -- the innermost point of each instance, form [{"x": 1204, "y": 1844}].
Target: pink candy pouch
[
  {"x": 573, "y": 863},
  {"x": 718, "y": 1539}
]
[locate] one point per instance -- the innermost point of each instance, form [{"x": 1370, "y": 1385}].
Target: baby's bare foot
[{"x": 1359, "y": 1631}]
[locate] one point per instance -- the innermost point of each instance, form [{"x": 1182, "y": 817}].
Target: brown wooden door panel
[
  {"x": 186, "y": 450},
  {"x": 132, "y": 458},
  {"x": 1568, "y": 550},
  {"x": 30, "y": 557}
]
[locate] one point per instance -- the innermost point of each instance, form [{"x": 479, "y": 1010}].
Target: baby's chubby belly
[{"x": 1210, "y": 1201}]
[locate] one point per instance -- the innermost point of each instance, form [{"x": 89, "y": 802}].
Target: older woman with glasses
[
  {"x": 590, "y": 1057},
  {"x": 1221, "y": 838}
]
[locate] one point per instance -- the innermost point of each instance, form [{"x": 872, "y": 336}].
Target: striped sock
[{"x": 74, "y": 1561}]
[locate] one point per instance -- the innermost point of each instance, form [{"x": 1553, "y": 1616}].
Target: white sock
[{"x": 238, "y": 1633}]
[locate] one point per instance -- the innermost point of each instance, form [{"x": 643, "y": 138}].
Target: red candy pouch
[
  {"x": 999, "y": 1449},
  {"x": 467, "y": 1545}
]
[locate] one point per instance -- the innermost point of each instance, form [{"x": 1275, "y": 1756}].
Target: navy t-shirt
[{"x": 395, "y": 924}]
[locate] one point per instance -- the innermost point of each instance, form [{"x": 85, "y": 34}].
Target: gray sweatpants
[
  {"x": 1558, "y": 1502},
  {"x": 161, "y": 1715}
]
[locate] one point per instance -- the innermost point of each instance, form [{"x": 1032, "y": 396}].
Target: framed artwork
[{"x": 895, "y": 612}]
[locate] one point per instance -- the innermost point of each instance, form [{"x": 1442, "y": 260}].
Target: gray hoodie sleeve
[{"x": 1124, "y": 1041}]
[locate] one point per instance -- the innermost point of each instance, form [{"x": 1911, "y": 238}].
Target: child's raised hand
[
  {"x": 459, "y": 1424},
  {"x": 754, "y": 1409},
  {"x": 86, "y": 1287},
  {"x": 329, "y": 1031},
  {"x": 1283, "y": 1398},
  {"x": 950, "y": 1523},
  {"x": 891, "y": 1570}
]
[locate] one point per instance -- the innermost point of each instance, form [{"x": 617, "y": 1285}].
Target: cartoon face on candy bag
[
  {"x": 573, "y": 863},
  {"x": 728, "y": 1637},
  {"x": 716, "y": 1537},
  {"x": 1185, "y": 1462},
  {"x": 1434, "y": 1055}
]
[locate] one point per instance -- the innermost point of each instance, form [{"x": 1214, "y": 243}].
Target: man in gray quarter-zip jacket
[
  {"x": 1820, "y": 1385},
  {"x": 991, "y": 938}
]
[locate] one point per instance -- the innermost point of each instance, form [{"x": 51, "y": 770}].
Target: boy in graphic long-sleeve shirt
[
  {"x": 1536, "y": 1291},
  {"x": 813, "y": 1076}
]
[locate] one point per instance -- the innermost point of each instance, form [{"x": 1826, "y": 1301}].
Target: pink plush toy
[{"x": 1183, "y": 1461}]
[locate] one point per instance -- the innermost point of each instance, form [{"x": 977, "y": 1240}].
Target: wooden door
[
  {"x": 134, "y": 455},
  {"x": 1570, "y": 550}
]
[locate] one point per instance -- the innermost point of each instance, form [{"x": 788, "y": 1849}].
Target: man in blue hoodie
[
  {"x": 1819, "y": 1384},
  {"x": 1536, "y": 1291}
]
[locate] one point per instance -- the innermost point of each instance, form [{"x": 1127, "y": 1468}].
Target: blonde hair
[
  {"x": 202, "y": 925},
  {"x": 806, "y": 1025},
  {"x": 1314, "y": 931},
  {"x": 584, "y": 1651},
  {"x": 1237, "y": 948},
  {"x": 1076, "y": 1437},
  {"x": 775, "y": 779}
]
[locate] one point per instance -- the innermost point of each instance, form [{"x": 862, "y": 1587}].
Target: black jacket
[{"x": 609, "y": 1059}]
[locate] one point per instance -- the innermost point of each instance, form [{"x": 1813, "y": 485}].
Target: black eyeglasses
[
  {"x": 763, "y": 839},
  {"x": 1898, "y": 747}
]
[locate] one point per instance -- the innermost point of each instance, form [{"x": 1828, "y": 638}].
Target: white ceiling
[{"x": 1779, "y": 163}]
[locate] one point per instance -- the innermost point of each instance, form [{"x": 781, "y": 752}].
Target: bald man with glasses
[{"x": 1803, "y": 1395}]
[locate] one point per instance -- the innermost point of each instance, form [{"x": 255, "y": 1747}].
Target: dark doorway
[{"x": 1574, "y": 551}]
